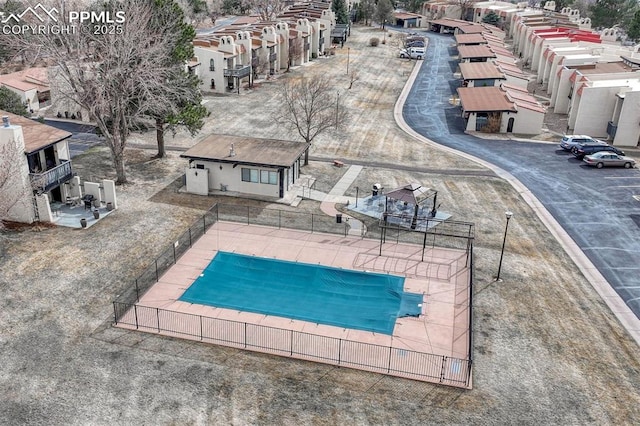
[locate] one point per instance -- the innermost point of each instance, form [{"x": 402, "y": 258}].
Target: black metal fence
[
  {"x": 168, "y": 257},
  {"x": 312, "y": 347},
  {"x": 423, "y": 366}
]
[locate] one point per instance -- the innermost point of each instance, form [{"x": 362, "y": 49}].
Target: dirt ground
[{"x": 547, "y": 349}]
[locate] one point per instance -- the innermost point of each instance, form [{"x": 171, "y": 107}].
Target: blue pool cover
[{"x": 314, "y": 293}]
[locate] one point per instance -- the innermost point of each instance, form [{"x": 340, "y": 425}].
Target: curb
[{"x": 619, "y": 308}]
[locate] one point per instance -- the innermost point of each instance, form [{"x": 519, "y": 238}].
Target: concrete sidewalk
[
  {"x": 303, "y": 189},
  {"x": 336, "y": 195}
]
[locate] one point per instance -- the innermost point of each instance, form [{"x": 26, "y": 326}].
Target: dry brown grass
[{"x": 547, "y": 349}]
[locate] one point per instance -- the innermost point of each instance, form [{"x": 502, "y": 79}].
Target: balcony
[
  {"x": 273, "y": 57},
  {"x": 239, "y": 71},
  {"x": 52, "y": 178},
  {"x": 612, "y": 129}
]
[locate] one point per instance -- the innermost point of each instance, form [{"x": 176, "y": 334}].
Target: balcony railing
[
  {"x": 52, "y": 178},
  {"x": 612, "y": 129},
  {"x": 255, "y": 61},
  {"x": 306, "y": 46},
  {"x": 273, "y": 57},
  {"x": 239, "y": 71},
  {"x": 321, "y": 41}
]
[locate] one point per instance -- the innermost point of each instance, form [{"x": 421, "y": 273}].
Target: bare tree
[
  {"x": 267, "y": 9},
  {"x": 195, "y": 11},
  {"x": 310, "y": 106},
  {"x": 464, "y": 5},
  {"x": 353, "y": 77},
  {"x": 11, "y": 191},
  {"x": 119, "y": 77}
]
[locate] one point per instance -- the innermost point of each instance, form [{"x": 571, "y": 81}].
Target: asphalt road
[
  {"x": 83, "y": 138},
  {"x": 596, "y": 207}
]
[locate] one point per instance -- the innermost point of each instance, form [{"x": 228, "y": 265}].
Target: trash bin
[
  {"x": 375, "y": 189},
  {"x": 339, "y": 218}
]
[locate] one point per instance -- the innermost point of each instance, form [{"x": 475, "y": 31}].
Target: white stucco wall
[
  {"x": 225, "y": 175},
  {"x": 60, "y": 102},
  {"x": 528, "y": 122},
  {"x": 18, "y": 187},
  {"x": 595, "y": 109},
  {"x": 197, "y": 181},
  {"x": 517, "y": 81},
  {"x": 560, "y": 94},
  {"x": 205, "y": 55},
  {"x": 628, "y": 133}
]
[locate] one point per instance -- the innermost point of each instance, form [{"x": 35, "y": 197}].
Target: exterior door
[{"x": 510, "y": 125}]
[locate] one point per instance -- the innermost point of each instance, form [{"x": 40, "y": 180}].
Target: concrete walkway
[
  {"x": 620, "y": 309},
  {"x": 336, "y": 195}
]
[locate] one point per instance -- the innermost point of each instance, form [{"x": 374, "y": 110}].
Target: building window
[
  {"x": 212, "y": 65},
  {"x": 270, "y": 177},
  {"x": 213, "y": 83},
  {"x": 250, "y": 175}
]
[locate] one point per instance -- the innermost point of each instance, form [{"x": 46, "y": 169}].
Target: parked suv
[
  {"x": 570, "y": 141},
  {"x": 581, "y": 150}
]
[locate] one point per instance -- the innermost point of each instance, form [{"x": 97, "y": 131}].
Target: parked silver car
[
  {"x": 570, "y": 141},
  {"x": 609, "y": 159}
]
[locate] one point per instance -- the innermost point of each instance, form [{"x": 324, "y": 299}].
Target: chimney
[
  {"x": 232, "y": 152},
  {"x": 5, "y": 121}
]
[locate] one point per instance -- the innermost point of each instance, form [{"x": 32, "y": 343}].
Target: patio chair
[{"x": 88, "y": 200}]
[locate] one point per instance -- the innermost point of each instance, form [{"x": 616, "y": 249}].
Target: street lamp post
[
  {"x": 508, "y": 214},
  {"x": 337, "y": 107},
  {"x": 384, "y": 32},
  {"x": 357, "y": 196},
  {"x": 348, "y": 48}
]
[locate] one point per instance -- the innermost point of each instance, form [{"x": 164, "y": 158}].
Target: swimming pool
[{"x": 315, "y": 293}]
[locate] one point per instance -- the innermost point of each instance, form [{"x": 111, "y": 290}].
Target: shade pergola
[{"x": 414, "y": 194}]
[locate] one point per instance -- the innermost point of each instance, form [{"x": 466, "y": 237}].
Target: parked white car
[{"x": 413, "y": 53}]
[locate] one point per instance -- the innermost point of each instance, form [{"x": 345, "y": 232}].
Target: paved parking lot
[{"x": 596, "y": 207}]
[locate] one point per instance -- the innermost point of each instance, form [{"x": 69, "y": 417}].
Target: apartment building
[{"x": 249, "y": 48}]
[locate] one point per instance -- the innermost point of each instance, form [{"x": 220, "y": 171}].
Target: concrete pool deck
[{"x": 442, "y": 278}]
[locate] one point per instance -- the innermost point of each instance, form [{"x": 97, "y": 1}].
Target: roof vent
[
  {"x": 232, "y": 152},
  {"x": 5, "y": 121}
]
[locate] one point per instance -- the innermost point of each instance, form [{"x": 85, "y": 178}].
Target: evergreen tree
[
  {"x": 491, "y": 18},
  {"x": 634, "y": 28},
  {"x": 366, "y": 9},
  {"x": 10, "y": 102},
  {"x": 183, "y": 108},
  {"x": 339, "y": 8},
  {"x": 607, "y": 13},
  {"x": 384, "y": 12}
]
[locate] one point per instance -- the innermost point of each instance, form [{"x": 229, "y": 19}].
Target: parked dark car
[
  {"x": 417, "y": 43},
  {"x": 579, "y": 151}
]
